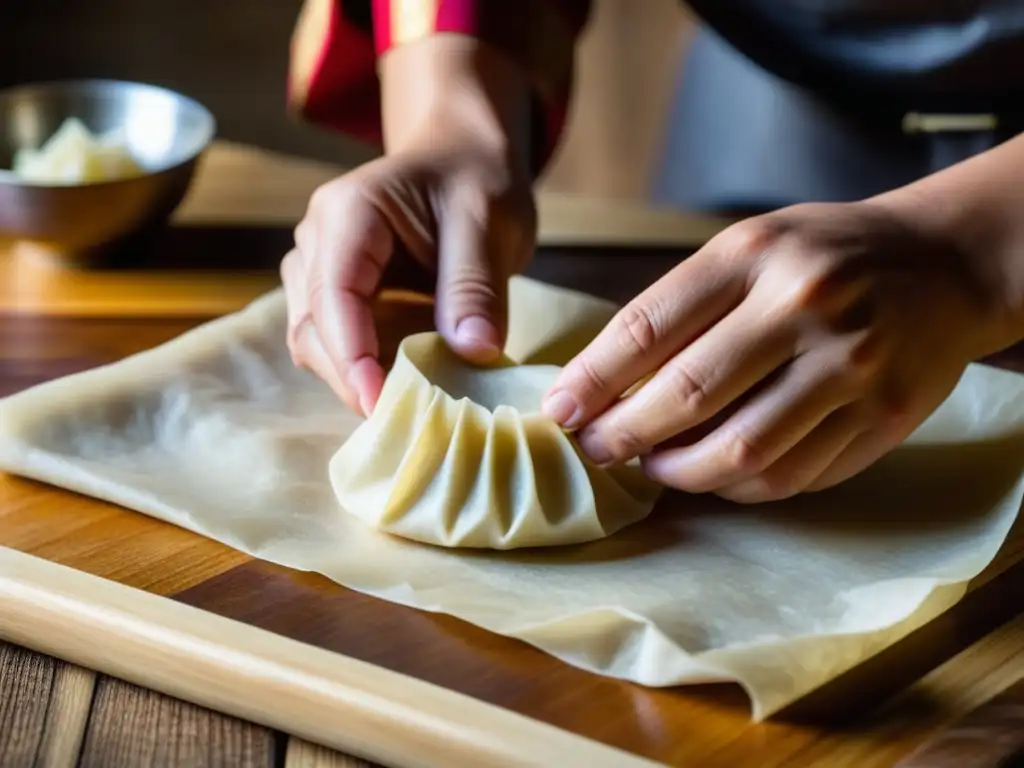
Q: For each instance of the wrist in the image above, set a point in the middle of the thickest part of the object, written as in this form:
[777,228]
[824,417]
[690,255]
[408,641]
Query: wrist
[454,90]
[955,210]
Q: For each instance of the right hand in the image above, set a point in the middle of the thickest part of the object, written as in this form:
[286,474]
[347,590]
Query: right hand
[452,195]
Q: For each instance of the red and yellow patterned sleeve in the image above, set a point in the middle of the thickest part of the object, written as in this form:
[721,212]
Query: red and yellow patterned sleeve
[333,78]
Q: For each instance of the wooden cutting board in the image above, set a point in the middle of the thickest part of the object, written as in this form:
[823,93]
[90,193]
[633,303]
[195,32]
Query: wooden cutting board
[139,599]
[192,618]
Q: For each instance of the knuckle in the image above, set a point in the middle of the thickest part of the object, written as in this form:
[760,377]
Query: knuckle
[799,277]
[626,443]
[856,366]
[769,486]
[322,196]
[779,484]
[804,288]
[465,194]
[895,406]
[287,267]
[336,195]
[620,438]
[471,284]
[328,192]
[867,353]
[743,453]
[752,492]
[641,330]
[751,237]
[687,388]
[297,328]
[589,372]
[850,375]
[297,346]
[316,292]
[490,179]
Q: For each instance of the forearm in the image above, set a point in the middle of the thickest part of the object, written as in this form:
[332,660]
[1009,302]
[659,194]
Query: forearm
[443,83]
[978,206]
[337,43]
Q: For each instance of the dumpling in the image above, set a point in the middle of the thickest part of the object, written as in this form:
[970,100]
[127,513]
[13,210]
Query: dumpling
[460,456]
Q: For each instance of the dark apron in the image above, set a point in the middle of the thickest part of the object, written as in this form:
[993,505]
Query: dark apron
[837,100]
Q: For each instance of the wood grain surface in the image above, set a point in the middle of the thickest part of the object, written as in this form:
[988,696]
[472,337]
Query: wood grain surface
[302,754]
[694,726]
[24,706]
[991,736]
[121,713]
[50,718]
[77,320]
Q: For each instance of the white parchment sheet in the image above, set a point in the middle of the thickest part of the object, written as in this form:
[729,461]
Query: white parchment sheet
[217,432]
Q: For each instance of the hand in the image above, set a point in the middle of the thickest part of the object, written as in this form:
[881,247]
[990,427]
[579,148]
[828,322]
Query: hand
[791,352]
[452,194]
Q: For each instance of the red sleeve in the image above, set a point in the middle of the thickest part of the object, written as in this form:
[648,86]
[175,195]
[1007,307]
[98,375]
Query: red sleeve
[333,79]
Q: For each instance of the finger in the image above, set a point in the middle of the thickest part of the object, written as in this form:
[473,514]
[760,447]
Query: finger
[797,469]
[302,339]
[720,366]
[472,291]
[309,353]
[642,336]
[293,278]
[808,390]
[862,452]
[354,244]
[305,238]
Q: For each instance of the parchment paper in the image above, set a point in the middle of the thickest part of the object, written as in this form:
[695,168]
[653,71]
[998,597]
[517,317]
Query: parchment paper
[217,432]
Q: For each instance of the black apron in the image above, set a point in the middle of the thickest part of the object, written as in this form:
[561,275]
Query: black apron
[787,101]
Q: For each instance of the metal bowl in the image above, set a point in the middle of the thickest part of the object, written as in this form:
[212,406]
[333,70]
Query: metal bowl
[166,131]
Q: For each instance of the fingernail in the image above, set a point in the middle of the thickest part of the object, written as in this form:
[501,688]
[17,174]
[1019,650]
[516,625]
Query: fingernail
[366,377]
[366,404]
[595,449]
[478,334]
[561,407]
[655,468]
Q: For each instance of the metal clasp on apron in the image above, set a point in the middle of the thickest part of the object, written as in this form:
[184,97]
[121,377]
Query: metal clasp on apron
[919,122]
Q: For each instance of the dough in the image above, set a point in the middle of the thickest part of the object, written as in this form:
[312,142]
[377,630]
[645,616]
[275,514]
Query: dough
[460,456]
[74,156]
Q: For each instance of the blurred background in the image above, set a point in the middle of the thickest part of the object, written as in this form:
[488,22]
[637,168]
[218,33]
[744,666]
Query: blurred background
[232,55]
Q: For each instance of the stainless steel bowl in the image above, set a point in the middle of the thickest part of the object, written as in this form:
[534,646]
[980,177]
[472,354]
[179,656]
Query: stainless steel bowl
[167,132]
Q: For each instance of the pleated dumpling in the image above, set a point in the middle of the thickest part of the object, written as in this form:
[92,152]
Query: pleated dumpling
[460,456]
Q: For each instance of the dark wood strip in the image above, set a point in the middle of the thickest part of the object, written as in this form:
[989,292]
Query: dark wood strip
[991,736]
[661,724]
[131,727]
[666,725]
[26,682]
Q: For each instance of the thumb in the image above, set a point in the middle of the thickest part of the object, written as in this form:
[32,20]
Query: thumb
[472,287]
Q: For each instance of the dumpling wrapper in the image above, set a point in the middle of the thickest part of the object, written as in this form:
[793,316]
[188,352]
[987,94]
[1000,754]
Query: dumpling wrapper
[218,432]
[460,456]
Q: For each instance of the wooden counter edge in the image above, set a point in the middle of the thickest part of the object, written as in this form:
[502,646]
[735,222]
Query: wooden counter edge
[241,184]
[215,662]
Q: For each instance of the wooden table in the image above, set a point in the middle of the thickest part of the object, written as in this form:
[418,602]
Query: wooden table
[54,321]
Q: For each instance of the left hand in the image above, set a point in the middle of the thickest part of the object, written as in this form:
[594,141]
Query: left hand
[791,352]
